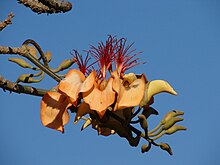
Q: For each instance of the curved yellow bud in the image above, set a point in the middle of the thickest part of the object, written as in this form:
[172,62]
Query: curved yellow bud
[158,86]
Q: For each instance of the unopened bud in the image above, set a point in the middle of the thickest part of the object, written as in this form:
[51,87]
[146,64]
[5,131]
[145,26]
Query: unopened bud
[145,148]
[20,62]
[67,63]
[48,55]
[166,147]
[143,121]
[171,122]
[170,115]
[26,78]
[174,129]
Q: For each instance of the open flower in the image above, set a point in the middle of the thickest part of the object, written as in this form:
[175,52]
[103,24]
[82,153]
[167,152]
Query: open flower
[95,91]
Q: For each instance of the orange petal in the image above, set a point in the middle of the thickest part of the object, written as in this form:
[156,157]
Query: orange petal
[71,85]
[54,112]
[100,100]
[131,96]
[89,82]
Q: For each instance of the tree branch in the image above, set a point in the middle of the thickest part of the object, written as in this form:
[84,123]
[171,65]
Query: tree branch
[17,88]
[6,22]
[47,6]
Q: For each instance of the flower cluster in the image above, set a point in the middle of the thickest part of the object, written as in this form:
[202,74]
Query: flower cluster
[98,92]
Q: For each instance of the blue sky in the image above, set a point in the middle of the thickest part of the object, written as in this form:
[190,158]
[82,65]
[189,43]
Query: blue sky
[180,42]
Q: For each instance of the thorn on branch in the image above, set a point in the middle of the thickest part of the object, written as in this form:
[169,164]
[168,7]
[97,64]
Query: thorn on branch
[6,22]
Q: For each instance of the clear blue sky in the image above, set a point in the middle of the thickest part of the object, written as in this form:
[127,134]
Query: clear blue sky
[181,44]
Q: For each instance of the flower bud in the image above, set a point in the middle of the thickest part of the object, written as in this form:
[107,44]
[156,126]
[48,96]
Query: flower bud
[26,78]
[170,115]
[174,129]
[171,122]
[66,64]
[166,147]
[48,55]
[145,148]
[143,121]
[20,62]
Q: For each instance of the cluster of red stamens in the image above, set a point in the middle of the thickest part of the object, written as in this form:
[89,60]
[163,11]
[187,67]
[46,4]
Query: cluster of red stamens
[113,51]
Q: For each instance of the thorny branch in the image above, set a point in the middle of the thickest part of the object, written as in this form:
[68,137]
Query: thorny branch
[6,22]
[47,6]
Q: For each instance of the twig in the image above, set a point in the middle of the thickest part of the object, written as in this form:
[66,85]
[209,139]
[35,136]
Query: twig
[58,5]
[47,6]
[6,22]
[17,88]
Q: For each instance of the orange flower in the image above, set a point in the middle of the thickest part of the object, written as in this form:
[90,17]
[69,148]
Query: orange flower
[98,93]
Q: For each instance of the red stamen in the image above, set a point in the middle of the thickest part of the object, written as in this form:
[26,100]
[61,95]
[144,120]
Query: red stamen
[123,59]
[82,63]
[105,54]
